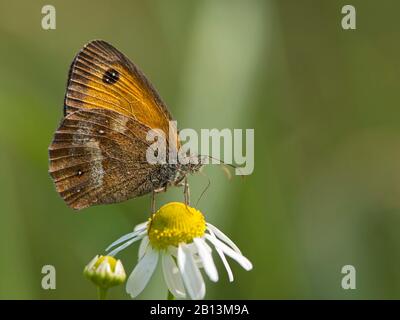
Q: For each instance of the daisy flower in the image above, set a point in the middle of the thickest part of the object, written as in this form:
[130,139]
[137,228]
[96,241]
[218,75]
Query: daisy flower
[179,236]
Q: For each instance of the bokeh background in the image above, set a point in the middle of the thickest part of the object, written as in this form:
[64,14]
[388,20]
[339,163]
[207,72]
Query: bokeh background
[324,104]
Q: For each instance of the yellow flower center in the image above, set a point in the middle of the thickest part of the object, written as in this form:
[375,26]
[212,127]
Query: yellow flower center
[174,223]
[111,261]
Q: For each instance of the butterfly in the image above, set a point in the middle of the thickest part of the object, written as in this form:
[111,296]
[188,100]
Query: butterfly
[98,153]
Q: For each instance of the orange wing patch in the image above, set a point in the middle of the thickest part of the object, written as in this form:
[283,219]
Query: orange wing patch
[102,77]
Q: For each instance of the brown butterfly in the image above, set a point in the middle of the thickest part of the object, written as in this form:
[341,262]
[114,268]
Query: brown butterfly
[98,154]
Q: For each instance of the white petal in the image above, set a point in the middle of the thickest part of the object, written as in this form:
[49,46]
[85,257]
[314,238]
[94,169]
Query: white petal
[207,246]
[126,244]
[141,226]
[224,261]
[191,275]
[92,262]
[142,273]
[196,256]
[226,264]
[119,269]
[104,268]
[173,251]
[122,239]
[198,261]
[223,237]
[242,260]
[125,238]
[206,258]
[143,246]
[172,276]
[192,247]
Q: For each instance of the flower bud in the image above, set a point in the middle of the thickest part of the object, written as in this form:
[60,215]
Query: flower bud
[105,271]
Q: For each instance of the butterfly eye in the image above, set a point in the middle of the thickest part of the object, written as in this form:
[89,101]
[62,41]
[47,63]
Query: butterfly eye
[111,76]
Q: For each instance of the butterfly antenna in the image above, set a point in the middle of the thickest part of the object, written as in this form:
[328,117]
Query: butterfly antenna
[225,166]
[205,189]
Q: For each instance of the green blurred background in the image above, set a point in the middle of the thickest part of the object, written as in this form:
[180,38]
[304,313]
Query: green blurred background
[324,105]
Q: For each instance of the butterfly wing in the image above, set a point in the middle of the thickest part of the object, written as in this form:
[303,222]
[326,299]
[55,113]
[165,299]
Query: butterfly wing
[98,156]
[102,77]
[98,152]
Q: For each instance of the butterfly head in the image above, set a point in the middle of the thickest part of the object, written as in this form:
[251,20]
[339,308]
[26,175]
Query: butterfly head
[188,168]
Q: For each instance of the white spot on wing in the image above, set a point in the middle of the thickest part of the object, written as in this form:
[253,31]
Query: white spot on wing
[96,170]
[81,136]
[119,124]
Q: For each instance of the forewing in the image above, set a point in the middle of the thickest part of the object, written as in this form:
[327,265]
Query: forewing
[102,77]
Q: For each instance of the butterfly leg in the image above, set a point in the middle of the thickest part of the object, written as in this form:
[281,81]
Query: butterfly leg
[186,192]
[153,202]
[153,197]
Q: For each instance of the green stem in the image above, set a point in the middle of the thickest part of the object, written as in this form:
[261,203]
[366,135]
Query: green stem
[170,296]
[102,292]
